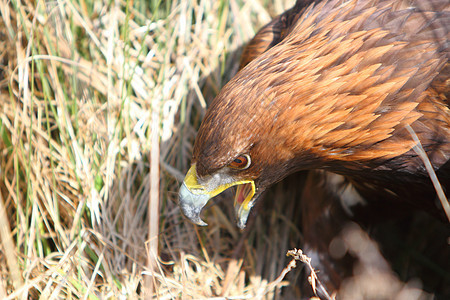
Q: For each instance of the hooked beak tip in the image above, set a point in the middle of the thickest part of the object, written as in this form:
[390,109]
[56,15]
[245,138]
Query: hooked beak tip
[192,204]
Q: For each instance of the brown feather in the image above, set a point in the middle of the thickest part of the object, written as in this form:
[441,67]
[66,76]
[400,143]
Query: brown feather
[334,85]
[336,92]
[272,33]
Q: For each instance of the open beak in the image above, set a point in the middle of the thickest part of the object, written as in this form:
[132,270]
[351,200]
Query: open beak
[194,195]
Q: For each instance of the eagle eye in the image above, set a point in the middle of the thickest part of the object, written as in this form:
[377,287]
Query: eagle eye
[241,162]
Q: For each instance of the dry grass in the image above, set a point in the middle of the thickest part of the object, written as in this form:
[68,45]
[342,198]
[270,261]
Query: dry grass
[93,94]
[88,91]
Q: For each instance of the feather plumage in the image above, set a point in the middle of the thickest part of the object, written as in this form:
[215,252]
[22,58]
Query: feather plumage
[337,86]
[336,92]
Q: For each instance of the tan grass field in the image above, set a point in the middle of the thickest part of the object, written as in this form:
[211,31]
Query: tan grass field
[99,106]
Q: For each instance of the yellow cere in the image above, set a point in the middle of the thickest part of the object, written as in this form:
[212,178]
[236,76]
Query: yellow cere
[191,181]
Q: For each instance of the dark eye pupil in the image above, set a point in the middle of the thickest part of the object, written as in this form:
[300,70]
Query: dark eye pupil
[240,162]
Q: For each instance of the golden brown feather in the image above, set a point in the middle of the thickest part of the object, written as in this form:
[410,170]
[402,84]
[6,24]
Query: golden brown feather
[335,85]
[273,32]
[337,93]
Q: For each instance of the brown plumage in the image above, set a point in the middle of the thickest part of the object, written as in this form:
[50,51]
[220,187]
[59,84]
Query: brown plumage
[273,32]
[337,86]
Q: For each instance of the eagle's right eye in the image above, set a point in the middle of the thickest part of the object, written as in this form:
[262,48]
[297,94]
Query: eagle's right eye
[241,162]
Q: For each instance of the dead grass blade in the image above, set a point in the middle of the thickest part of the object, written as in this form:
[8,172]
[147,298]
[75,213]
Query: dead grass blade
[426,161]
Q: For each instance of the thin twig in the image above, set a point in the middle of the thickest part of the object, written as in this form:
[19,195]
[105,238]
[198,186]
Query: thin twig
[153,207]
[297,254]
[423,155]
[8,246]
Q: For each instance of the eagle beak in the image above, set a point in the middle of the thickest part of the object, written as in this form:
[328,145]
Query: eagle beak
[243,202]
[193,195]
